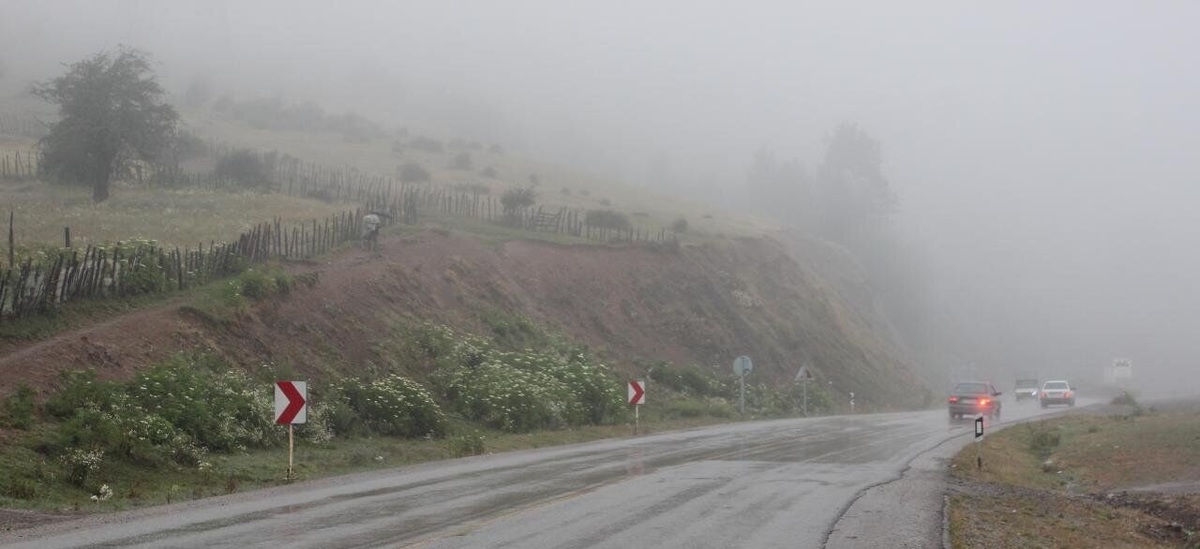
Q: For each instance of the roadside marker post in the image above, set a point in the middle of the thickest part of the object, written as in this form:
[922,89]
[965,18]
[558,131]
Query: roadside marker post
[741,368]
[637,397]
[291,407]
[978,446]
[804,375]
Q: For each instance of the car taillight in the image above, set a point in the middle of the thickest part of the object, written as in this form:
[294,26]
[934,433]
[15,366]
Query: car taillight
[1067,394]
[953,400]
[1043,394]
[983,402]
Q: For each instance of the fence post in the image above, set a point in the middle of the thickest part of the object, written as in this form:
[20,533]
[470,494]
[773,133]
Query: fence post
[11,251]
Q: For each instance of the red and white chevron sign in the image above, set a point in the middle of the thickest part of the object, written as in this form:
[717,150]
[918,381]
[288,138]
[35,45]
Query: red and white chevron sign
[291,402]
[637,392]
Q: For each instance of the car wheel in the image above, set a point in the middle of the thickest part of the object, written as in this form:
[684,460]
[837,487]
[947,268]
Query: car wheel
[1071,404]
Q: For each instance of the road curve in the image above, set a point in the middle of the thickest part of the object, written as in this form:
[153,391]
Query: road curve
[782,483]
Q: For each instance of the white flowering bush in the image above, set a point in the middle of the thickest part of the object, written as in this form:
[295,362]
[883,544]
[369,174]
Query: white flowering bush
[550,387]
[174,412]
[82,463]
[507,398]
[140,267]
[394,405]
[218,407]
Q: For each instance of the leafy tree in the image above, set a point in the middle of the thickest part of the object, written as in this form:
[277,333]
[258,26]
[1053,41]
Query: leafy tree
[113,115]
[517,198]
[782,190]
[853,192]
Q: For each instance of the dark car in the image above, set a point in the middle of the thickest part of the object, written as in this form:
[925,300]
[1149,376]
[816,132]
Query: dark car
[974,397]
[1026,388]
[1057,392]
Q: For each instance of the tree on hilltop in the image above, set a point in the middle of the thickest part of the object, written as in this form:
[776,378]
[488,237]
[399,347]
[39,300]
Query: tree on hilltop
[112,115]
[853,192]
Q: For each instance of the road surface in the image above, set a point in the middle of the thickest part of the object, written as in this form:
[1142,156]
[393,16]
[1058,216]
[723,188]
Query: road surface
[838,482]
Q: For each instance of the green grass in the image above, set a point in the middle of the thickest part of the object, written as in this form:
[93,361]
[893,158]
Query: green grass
[261,468]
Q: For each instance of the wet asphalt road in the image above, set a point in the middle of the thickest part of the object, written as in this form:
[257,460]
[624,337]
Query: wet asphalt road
[783,483]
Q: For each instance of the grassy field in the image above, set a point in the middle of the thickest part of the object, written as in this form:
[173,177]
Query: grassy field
[1069,482]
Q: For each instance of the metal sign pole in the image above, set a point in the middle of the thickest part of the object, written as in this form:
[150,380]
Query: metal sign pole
[291,447]
[636,419]
[806,397]
[742,394]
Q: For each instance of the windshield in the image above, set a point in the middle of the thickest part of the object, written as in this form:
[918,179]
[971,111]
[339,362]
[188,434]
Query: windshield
[972,388]
[1057,385]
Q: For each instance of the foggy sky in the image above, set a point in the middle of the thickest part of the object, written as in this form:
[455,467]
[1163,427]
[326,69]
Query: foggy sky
[1041,152]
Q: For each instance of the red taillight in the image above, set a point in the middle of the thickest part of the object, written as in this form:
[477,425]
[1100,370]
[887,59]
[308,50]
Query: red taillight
[983,402]
[1067,394]
[1043,394]
[953,400]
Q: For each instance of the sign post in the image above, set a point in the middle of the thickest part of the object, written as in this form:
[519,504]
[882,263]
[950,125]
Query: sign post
[741,368]
[851,402]
[291,407]
[978,437]
[637,397]
[804,375]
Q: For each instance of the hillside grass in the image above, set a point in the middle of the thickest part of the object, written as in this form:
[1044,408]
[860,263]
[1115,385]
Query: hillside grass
[181,218]
[558,186]
[1048,483]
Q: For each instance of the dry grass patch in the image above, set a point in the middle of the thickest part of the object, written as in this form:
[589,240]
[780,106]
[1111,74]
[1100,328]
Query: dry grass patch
[1043,519]
[1049,483]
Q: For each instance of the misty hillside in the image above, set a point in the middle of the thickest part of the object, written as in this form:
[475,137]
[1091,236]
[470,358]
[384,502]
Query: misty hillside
[1019,202]
[699,307]
[719,287]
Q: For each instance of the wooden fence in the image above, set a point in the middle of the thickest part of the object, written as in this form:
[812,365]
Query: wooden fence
[18,165]
[132,268]
[21,124]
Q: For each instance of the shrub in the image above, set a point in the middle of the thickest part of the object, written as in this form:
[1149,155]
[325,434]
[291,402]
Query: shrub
[525,390]
[518,198]
[140,268]
[680,225]
[508,399]
[78,389]
[466,445]
[489,172]
[1042,440]
[19,408]
[245,167]
[175,411]
[394,406]
[607,219]
[412,172]
[256,284]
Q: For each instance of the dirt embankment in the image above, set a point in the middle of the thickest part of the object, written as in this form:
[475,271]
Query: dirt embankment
[699,305]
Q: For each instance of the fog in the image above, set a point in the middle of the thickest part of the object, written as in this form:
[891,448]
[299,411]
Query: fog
[1039,153]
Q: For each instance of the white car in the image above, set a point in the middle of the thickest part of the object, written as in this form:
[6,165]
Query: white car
[1057,392]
